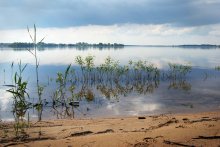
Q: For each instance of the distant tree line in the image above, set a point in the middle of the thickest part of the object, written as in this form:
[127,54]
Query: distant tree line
[80,45]
[202,46]
[84,45]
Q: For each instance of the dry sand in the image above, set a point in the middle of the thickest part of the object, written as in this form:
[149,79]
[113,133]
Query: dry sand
[200,129]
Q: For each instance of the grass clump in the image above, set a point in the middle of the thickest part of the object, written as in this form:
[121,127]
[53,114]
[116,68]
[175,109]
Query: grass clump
[178,70]
[217,68]
[20,102]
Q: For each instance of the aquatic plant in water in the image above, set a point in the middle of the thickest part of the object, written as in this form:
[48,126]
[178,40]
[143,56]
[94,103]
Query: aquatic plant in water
[217,68]
[61,97]
[20,103]
[110,78]
[39,105]
[178,70]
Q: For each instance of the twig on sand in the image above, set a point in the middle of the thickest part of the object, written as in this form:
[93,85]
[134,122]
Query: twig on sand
[106,131]
[173,120]
[207,137]
[176,143]
[81,133]
[22,141]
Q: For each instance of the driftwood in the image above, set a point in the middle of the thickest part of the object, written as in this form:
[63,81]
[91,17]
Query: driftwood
[176,143]
[81,133]
[207,137]
[106,131]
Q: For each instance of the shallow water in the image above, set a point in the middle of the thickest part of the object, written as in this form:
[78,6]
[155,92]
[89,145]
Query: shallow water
[199,91]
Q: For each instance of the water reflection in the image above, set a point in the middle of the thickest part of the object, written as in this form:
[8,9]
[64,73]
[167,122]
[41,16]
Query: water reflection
[160,56]
[4,98]
[63,112]
[180,84]
[91,83]
[118,98]
[124,92]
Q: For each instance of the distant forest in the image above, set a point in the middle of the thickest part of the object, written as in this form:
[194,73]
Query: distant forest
[84,45]
[80,45]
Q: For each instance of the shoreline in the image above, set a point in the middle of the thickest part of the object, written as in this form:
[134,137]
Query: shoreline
[189,129]
[11,120]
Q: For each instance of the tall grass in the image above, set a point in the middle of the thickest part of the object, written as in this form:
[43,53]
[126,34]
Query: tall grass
[20,102]
[34,52]
[217,68]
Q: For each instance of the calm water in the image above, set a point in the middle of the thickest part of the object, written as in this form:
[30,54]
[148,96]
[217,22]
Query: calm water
[199,91]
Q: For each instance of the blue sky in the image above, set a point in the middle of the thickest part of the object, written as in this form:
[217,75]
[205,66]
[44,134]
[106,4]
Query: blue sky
[141,21]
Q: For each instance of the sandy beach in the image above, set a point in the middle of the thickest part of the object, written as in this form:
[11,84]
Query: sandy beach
[197,129]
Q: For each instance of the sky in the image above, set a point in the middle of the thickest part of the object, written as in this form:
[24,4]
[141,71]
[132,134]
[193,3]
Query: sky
[146,22]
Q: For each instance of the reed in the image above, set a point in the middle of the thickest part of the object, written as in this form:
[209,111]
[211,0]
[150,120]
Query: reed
[20,102]
[217,68]
[34,52]
[178,70]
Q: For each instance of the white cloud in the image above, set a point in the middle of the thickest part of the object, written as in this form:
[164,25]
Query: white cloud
[215,30]
[124,33]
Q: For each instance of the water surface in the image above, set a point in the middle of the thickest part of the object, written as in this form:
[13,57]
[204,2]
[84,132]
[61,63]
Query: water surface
[197,92]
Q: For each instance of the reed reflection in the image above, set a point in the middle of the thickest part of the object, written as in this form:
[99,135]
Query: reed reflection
[112,81]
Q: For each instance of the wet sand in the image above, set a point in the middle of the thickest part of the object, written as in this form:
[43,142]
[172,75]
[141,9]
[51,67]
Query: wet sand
[196,129]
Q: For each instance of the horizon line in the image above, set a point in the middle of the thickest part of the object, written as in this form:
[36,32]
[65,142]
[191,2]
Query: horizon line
[162,45]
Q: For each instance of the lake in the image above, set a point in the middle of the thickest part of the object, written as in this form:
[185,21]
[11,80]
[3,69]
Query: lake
[197,91]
